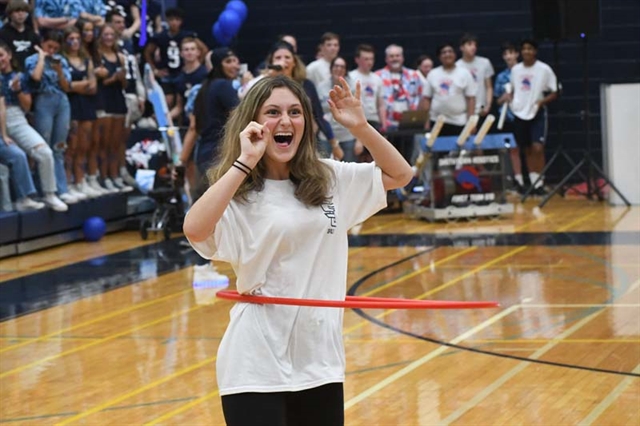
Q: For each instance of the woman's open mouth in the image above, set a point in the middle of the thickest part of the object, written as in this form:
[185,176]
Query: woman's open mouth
[283,139]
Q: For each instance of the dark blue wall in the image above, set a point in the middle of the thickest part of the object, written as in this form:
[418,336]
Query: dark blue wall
[420,25]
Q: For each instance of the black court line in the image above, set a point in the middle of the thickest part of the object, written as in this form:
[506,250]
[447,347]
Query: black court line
[69,283]
[354,288]
[497,240]
[43,290]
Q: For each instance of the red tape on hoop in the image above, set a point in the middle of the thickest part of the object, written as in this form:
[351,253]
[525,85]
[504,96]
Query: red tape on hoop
[357,302]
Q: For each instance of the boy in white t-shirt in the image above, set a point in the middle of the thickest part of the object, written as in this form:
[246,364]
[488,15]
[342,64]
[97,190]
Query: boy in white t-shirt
[280,215]
[319,70]
[481,70]
[372,94]
[450,91]
[534,86]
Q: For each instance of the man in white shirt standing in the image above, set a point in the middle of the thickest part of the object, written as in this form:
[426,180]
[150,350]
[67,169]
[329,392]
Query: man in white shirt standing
[534,86]
[451,92]
[481,70]
[371,84]
[320,69]
[371,94]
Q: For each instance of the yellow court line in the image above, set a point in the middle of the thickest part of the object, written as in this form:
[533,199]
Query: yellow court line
[426,358]
[95,320]
[97,342]
[575,222]
[609,399]
[379,227]
[183,408]
[445,285]
[488,390]
[419,271]
[138,391]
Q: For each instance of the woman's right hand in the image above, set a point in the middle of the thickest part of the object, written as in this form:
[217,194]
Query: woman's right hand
[101,72]
[253,143]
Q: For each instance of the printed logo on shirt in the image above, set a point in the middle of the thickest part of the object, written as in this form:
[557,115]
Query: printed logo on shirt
[525,84]
[445,86]
[474,74]
[21,45]
[368,91]
[329,210]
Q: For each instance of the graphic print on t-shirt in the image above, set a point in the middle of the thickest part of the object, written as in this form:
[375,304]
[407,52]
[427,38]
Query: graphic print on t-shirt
[329,210]
[526,83]
[445,86]
[474,74]
[368,90]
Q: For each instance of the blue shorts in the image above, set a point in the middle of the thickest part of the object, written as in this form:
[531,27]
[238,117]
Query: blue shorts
[532,131]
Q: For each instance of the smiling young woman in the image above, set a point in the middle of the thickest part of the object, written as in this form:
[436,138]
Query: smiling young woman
[279,215]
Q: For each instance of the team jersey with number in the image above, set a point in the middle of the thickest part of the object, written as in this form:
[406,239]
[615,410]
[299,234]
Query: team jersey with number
[169,45]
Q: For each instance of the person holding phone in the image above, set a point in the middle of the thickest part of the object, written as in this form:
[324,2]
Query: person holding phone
[52,113]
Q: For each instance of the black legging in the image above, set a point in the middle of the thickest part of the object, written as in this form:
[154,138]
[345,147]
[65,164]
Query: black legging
[321,406]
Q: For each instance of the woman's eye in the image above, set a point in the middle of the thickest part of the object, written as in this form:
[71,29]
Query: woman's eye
[272,112]
[295,112]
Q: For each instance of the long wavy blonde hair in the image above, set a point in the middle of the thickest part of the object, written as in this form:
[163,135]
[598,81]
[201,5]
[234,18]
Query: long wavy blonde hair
[312,177]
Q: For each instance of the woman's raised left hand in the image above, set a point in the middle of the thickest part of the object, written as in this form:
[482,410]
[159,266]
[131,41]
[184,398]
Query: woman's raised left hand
[346,106]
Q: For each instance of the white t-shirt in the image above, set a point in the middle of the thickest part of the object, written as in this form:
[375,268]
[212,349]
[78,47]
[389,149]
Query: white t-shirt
[371,86]
[480,69]
[448,90]
[341,133]
[319,71]
[529,85]
[277,246]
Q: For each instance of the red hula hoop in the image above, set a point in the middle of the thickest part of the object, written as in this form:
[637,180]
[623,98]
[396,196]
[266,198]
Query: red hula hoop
[357,302]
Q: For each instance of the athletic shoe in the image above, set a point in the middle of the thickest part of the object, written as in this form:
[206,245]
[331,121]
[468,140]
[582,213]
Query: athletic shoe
[109,186]
[79,195]
[27,204]
[56,203]
[92,182]
[88,190]
[123,187]
[67,198]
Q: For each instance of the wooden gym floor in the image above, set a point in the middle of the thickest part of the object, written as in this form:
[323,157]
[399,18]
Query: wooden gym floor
[112,332]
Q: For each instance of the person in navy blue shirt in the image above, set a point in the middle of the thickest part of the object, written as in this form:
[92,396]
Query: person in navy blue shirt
[168,44]
[215,100]
[193,72]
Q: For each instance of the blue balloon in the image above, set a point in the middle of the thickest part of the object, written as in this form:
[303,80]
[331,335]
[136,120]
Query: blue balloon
[239,7]
[230,23]
[94,228]
[220,37]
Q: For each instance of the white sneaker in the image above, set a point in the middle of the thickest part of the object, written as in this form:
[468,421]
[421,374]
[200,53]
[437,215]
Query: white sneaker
[109,186]
[79,195]
[68,198]
[123,187]
[89,191]
[55,203]
[92,182]
[27,204]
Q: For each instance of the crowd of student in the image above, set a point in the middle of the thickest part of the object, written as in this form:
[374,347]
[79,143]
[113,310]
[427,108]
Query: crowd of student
[72,88]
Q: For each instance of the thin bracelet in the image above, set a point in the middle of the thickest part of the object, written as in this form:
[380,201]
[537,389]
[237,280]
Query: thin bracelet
[244,165]
[241,169]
